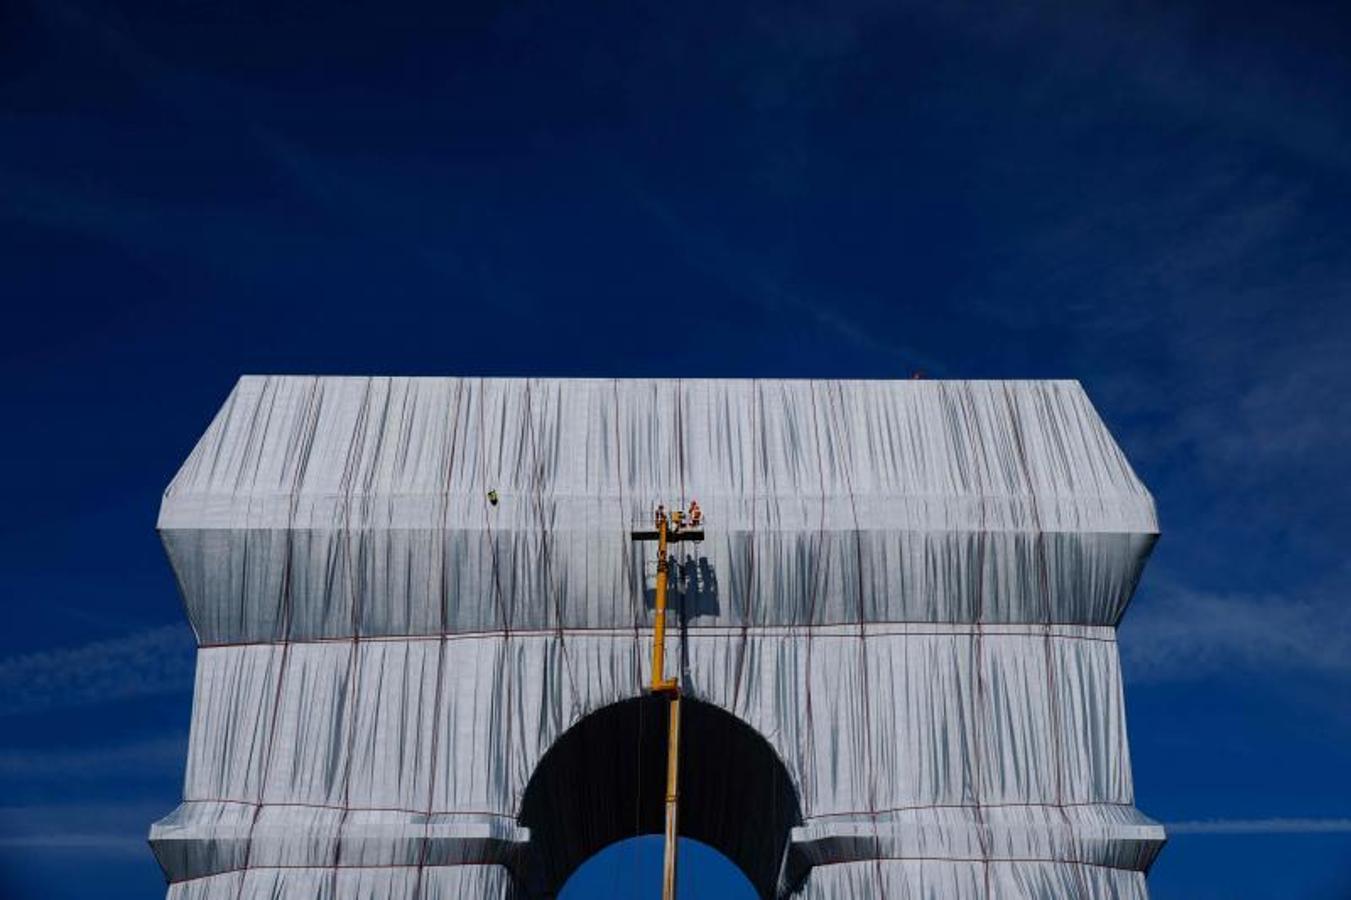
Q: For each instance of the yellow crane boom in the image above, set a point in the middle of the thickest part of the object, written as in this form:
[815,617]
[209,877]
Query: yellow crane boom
[663,534]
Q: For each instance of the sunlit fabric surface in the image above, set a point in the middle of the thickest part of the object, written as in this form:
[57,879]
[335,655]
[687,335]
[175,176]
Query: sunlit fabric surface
[908,590]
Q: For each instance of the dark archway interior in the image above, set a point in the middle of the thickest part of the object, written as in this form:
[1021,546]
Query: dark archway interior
[605,780]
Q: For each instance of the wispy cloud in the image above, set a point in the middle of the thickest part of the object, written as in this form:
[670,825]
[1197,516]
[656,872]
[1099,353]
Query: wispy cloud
[761,283]
[1169,56]
[116,844]
[154,661]
[1187,633]
[153,756]
[115,829]
[358,198]
[1261,826]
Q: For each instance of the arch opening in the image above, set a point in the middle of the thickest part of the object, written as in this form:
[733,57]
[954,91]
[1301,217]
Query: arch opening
[631,870]
[604,781]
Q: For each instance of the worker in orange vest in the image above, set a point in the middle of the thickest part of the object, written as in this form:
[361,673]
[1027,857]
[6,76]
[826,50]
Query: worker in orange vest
[696,514]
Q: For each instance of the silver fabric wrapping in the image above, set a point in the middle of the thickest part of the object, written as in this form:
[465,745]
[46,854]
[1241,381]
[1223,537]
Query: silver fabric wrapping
[908,590]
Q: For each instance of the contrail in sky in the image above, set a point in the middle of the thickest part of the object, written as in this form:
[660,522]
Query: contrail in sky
[1261,826]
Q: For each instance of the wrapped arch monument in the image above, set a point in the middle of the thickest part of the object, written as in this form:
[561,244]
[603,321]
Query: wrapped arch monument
[897,639]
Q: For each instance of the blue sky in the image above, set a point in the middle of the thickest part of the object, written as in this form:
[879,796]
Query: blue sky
[1152,199]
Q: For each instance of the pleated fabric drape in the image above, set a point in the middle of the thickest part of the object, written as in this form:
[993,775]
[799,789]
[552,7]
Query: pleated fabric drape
[909,589]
